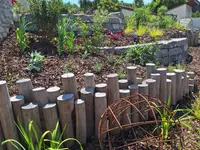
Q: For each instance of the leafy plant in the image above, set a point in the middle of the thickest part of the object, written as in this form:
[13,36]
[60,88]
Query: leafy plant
[68,67]
[20,33]
[110,58]
[141,30]
[28,136]
[61,35]
[44,14]
[141,54]
[155,32]
[98,67]
[121,74]
[171,68]
[35,62]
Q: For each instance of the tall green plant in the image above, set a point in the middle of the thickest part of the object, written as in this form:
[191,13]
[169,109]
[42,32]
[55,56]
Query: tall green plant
[20,34]
[61,35]
[54,142]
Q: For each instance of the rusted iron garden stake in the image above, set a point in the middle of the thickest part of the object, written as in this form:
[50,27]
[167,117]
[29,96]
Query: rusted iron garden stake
[87,94]
[100,103]
[25,87]
[172,77]
[66,106]
[6,115]
[69,84]
[81,124]
[52,94]
[17,101]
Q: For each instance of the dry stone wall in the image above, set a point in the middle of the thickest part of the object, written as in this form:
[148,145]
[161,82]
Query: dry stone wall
[6,18]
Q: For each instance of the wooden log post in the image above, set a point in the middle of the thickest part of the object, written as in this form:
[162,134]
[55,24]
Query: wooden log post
[102,87]
[87,94]
[123,84]
[150,68]
[183,84]
[125,116]
[2,147]
[191,81]
[156,76]
[172,77]
[69,84]
[152,93]
[17,101]
[25,87]
[163,84]
[65,104]
[138,80]
[143,89]
[89,80]
[81,124]
[191,87]
[187,85]
[39,96]
[191,75]
[100,102]
[169,91]
[6,115]
[134,113]
[52,94]
[178,83]
[131,74]
[30,112]
[113,88]
[50,117]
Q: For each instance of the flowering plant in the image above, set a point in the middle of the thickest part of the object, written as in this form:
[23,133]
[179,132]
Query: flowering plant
[14,1]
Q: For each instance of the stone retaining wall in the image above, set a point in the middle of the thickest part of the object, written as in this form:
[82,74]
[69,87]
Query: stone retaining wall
[169,52]
[6,18]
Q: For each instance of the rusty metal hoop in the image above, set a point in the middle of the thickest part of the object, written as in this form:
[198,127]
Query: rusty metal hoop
[118,128]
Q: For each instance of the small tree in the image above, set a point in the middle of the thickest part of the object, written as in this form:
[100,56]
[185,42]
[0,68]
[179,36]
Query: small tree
[138,3]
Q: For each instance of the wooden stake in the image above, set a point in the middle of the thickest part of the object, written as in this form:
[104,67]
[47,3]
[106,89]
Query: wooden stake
[131,74]
[2,147]
[123,84]
[17,101]
[169,85]
[178,83]
[191,75]
[138,80]
[100,102]
[52,94]
[25,87]
[30,112]
[163,84]
[39,96]
[81,124]
[87,96]
[50,117]
[66,106]
[156,76]
[125,116]
[113,88]
[69,84]
[143,89]
[187,85]
[172,77]
[102,87]
[151,87]
[6,115]
[134,113]
[150,68]
[89,80]
[191,87]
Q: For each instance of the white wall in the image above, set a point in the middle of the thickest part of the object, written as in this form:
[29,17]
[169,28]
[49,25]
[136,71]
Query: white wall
[196,23]
[183,11]
[126,12]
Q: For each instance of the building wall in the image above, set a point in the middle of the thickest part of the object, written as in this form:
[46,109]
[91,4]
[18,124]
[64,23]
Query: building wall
[126,12]
[183,11]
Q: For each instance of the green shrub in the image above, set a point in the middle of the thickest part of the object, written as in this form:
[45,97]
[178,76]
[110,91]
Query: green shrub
[196,15]
[44,14]
[98,67]
[141,54]
[141,30]
[61,35]
[35,62]
[155,32]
